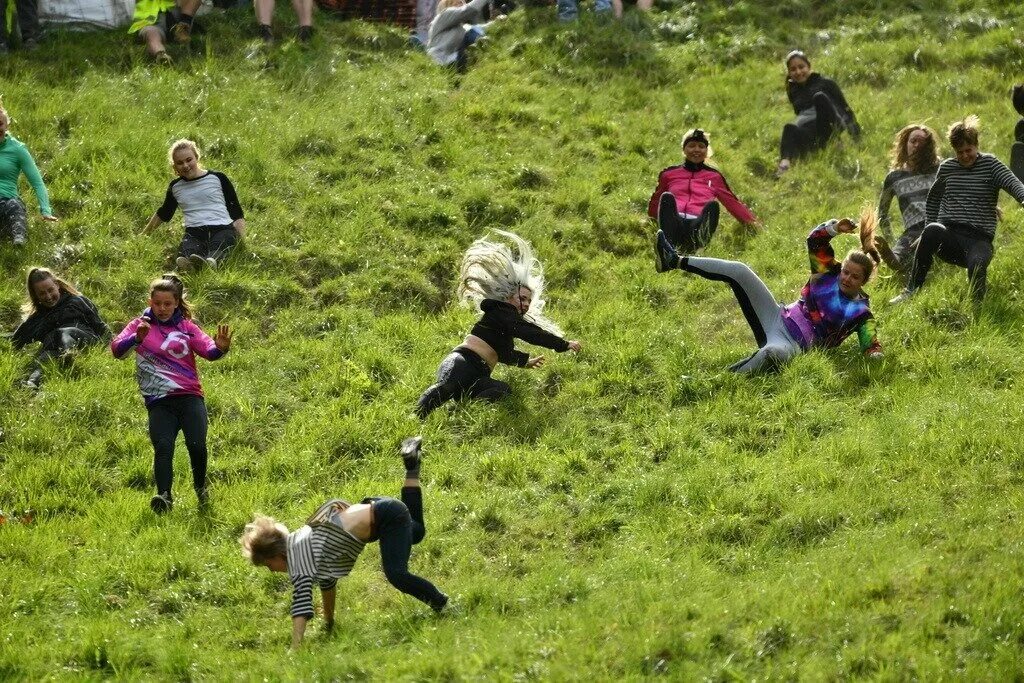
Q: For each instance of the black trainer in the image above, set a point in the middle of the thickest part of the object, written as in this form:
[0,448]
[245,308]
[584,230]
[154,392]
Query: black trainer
[304,34]
[439,604]
[665,257]
[203,496]
[161,503]
[411,455]
[266,34]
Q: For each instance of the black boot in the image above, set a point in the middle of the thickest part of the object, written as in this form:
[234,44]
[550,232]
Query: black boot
[411,456]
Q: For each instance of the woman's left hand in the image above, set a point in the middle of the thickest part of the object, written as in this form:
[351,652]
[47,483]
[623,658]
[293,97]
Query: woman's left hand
[223,338]
[535,362]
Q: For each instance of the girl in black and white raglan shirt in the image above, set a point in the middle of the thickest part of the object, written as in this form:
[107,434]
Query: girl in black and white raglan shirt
[213,218]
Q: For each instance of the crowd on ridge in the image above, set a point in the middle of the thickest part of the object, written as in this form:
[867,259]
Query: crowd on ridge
[948,207]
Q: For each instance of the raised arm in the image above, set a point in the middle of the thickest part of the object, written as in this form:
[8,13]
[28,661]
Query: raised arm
[206,346]
[126,340]
[819,248]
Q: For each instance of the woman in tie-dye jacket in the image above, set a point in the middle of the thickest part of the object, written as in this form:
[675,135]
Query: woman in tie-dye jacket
[166,344]
[831,307]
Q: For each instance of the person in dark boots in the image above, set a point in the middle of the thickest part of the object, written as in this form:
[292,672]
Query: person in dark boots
[59,317]
[326,548]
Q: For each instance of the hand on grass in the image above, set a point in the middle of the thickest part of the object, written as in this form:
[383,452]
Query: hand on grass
[575,345]
[535,362]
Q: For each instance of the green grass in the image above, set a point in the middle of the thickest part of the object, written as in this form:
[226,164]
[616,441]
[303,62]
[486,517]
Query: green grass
[629,512]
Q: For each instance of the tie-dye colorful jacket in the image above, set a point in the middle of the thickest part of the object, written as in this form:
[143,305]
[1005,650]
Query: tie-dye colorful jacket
[165,361]
[824,316]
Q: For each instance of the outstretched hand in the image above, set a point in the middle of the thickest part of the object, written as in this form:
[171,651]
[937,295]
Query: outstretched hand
[223,338]
[846,225]
[575,345]
[142,330]
[535,362]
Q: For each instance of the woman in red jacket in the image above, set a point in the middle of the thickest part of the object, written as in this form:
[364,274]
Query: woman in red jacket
[684,202]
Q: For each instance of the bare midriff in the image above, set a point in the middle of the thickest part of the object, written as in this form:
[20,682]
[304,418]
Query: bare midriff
[358,520]
[481,348]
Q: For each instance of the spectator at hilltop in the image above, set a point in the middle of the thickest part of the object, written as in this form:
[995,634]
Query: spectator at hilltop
[303,11]
[27,14]
[156,20]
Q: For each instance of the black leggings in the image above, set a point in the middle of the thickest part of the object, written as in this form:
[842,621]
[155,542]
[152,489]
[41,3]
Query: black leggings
[462,372]
[799,140]
[687,235]
[957,246]
[63,339]
[399,526]
[166,417]
[216,241]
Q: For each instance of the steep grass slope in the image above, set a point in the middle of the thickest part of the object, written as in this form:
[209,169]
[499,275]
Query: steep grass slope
[631,511]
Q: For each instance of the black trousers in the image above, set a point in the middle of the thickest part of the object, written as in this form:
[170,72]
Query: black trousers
[28,19]
[799,140]
[687,235]
[958,245]
[462,372]
[167,417]
[399,526]
[213,240]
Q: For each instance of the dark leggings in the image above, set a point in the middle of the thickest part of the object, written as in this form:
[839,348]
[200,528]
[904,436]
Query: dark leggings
[687,235]
[957,246]
[399,526]
[215,240]
[13,218]
[799,140]
[63,339]
[462,372]
[166,417]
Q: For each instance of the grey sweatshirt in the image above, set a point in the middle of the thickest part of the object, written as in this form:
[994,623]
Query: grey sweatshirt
[448,30]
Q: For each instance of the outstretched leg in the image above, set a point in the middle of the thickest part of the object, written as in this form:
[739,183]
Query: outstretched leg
[454,377]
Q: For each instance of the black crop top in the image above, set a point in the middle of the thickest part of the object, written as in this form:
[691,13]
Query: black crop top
[502,324]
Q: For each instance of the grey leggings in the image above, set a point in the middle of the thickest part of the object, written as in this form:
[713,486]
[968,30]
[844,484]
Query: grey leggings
[762,311]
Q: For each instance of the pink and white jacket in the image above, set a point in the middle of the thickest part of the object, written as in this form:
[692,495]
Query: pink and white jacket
[693,186]
[165,361]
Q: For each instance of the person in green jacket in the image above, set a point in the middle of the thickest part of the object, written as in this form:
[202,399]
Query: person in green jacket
[15,160]
[156,20]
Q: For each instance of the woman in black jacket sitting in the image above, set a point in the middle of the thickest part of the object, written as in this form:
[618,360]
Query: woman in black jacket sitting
[821,111]
[58,316]
[508,287]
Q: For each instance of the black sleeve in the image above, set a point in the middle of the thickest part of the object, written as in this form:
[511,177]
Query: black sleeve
[26,332]
[792,99]
[230,197]
[833,90]
[534,334]
[93,319]
[170,205]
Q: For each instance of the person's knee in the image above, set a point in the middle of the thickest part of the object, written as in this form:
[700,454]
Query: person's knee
[418,532]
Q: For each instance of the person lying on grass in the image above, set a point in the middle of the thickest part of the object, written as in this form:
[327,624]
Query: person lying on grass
[59,317]
[832,305]
[166,343]
[508,285]
[684,203]
[15,159]
[821,112]
[156,20]
[962,211]
[325,549]
[449,37]
[214,220]
[914,162]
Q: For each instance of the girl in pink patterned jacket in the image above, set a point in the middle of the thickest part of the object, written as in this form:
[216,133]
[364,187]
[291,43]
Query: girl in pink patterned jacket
[166,343]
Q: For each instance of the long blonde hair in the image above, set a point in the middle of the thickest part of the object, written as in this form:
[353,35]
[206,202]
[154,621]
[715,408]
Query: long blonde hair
[496,270]
[264,538]
[867,257]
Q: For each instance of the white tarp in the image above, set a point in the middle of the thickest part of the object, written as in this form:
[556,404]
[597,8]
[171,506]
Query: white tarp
[87,14]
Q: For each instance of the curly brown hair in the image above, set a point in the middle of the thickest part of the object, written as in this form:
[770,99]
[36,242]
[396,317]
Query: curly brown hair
[926,156]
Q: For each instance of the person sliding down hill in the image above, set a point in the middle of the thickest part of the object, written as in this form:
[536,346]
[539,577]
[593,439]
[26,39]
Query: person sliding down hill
[508,286]
[326,548]
[684,203]
[821,112]
[831,307]
[449,36]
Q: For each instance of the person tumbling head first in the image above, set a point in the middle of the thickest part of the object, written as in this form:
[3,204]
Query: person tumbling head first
[685,201]
[326,548]
[821,112]
[57,316]
[915,161]
[166,344]
[961,211]
[15,160]
[831,307]
[506,282]
[213,217]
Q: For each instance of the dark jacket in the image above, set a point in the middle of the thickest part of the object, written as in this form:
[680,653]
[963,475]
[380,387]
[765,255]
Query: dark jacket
[71,310]
[502,324]
[802,97]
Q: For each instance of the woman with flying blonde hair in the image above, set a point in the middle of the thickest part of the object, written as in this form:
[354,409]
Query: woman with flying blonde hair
[506,282]
[915,160]
[831,307]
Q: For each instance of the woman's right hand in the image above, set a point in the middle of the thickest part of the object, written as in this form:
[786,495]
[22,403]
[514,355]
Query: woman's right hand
[142,330]
[575,345]
[846,225]
[535,362]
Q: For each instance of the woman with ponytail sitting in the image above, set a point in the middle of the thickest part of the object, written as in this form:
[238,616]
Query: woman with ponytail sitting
[831,307]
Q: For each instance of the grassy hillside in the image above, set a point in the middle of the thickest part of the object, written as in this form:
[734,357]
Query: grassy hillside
[629,512]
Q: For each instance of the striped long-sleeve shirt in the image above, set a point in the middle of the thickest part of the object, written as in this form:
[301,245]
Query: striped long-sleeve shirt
[911,189]
[321,551]
[967,196]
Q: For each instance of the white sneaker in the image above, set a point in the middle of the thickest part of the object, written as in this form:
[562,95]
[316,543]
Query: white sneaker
[182,264]
[198,261]
[905,295]
[212,262]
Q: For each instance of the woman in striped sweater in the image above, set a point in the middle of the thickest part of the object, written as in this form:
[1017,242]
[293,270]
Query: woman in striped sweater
[326,548]
[961,211]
